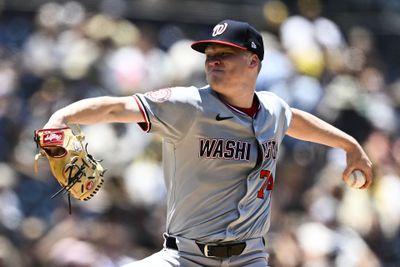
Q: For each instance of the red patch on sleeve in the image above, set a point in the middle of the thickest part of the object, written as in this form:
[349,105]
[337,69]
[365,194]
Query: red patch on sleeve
[160,95]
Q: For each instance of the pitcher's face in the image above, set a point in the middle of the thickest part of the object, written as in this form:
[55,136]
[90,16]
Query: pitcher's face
[225,65]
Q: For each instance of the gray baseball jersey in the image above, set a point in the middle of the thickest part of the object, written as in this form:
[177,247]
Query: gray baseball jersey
[219,163]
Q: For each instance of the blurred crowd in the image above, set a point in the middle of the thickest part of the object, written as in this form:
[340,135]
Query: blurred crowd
[63,53]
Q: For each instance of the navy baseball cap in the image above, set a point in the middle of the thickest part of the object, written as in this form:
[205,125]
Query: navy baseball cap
[234,33]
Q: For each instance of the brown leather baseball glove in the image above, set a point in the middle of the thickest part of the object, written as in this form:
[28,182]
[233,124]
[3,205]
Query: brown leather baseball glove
[79,174]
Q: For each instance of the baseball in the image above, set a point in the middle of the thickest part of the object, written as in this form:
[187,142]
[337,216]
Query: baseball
[357,179]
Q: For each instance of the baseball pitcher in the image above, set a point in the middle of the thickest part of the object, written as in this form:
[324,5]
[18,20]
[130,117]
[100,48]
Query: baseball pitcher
[220,149]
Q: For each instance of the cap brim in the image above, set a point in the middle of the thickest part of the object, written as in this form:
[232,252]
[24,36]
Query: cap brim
[201,46]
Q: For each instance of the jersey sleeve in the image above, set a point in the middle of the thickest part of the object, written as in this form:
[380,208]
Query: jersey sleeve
[285,115]
[169,112]
[281,112]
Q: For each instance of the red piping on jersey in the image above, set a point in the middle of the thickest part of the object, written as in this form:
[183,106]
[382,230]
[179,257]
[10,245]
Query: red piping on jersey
[252,111]
[142,110]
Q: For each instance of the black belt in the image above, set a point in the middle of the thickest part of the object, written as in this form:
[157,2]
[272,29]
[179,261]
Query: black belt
[212,250]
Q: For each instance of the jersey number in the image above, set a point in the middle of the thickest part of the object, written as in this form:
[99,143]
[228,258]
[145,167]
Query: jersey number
[268,184]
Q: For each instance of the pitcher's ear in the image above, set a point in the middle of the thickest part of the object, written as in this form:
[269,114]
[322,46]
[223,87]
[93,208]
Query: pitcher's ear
[253,60]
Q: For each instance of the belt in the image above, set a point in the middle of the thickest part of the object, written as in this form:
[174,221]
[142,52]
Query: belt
[212,250]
